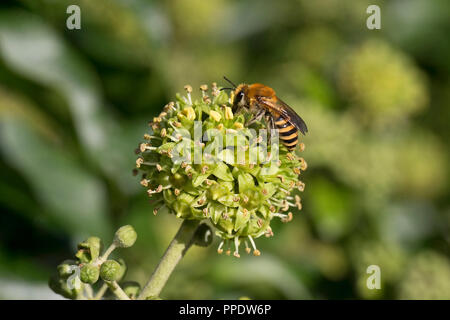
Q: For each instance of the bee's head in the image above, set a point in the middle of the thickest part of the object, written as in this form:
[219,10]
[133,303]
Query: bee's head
[240,98]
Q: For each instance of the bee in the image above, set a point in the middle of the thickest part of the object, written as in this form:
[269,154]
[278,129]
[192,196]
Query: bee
[262,101]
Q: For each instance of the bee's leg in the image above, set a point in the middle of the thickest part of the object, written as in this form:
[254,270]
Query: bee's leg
[257,117]
[270,125]
[241,109]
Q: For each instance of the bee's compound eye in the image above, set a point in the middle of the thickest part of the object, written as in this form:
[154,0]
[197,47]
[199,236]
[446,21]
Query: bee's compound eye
[240,97]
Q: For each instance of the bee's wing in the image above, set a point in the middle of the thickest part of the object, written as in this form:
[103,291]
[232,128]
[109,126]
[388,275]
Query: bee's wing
[287,112]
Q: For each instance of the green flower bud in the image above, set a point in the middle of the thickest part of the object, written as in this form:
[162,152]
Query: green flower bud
[111,270]
[131,288]
[60,286]
[125,237]
[89,273]
[196,179]
[65,268]
[89,250]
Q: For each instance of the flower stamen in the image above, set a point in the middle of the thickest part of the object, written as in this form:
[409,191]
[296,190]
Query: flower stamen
[236,246]
[256,252]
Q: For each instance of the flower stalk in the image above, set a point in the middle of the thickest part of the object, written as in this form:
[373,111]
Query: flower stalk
[176,250]
[117,290]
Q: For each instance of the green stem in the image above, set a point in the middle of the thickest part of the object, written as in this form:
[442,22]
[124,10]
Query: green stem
[101,292]
[108,251]
[117,290]
[89,291]
[176,250]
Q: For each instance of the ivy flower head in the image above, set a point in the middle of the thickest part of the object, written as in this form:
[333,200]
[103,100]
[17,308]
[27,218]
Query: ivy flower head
[201,161]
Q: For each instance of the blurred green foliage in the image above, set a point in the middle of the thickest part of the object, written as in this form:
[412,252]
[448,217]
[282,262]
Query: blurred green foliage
[74,103]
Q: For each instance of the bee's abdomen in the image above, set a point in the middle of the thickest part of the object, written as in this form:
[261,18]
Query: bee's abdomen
[288,133]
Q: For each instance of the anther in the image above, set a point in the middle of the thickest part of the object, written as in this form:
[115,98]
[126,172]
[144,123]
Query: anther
[206,99]
[139,162]
[163,132]
[247,249]
[303,165]
[298,202]
[260,223]
[288,218]
[269,232]
[301,146]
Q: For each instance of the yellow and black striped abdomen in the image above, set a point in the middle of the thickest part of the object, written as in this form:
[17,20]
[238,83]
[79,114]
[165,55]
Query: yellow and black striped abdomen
[288,133]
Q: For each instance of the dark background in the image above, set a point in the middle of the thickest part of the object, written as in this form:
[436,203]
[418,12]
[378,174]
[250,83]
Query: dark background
[75,103]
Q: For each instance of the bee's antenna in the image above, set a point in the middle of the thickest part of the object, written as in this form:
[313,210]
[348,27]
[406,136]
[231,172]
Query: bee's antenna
[231,82]
[226,89]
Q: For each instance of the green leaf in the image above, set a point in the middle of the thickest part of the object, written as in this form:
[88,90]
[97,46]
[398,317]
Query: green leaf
[264,210]
[245,181]
[270,188]
[216,210]
[166,147]
[228,200]
[72,195]
[242,217]
[227,225]
[269,170]
[227,156]
[200,201]
[182,205]
[31,48]
[222,171]
[198,179]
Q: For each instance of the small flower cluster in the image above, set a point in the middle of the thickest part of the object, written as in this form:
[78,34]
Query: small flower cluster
[74,278]
[239,198]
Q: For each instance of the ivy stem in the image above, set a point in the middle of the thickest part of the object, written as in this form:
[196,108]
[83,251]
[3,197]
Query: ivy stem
[101,292]
[108,251]
[117,290]
[89,291]
[176,250]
